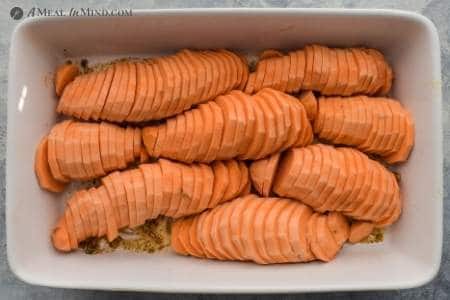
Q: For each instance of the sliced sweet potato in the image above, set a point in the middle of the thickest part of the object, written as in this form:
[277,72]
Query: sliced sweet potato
[268,145]
[60,169]
[230,121]
[82,101]
[338,226]
[317,67]
[140,196]
[271,231]
[298,233]
[42,169]
[107,111]
[196,140]
[131,198]
[65,74]
[187,140]
[100,92]
[218,128]
[207,130]
[177,186]
[359,231]
[292,75]
[325,72]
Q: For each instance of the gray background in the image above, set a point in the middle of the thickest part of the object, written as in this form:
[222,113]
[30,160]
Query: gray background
[437,10]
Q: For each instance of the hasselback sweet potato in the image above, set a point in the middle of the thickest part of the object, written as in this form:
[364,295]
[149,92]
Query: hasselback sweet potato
[262,230]
[375,125]
[336,179]
[84,151]
[233,125]
[330,71]
[128,198]
[152,89]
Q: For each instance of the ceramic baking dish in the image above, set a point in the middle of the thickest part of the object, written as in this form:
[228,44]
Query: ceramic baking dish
[408,257]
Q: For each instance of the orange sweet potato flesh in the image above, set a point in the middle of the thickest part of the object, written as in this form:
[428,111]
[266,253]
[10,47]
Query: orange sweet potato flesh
[65,74]
[42,169]
[261,230]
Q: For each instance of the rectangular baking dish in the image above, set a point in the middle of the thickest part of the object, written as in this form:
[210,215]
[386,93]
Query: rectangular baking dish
[408,257]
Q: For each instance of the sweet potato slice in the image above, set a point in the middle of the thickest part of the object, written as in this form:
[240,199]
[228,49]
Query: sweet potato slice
[281,132]
[316,68]
[248,231]
[300,71]
[180,102]
[259,227]
[292,75]
[207,79]
[112,232]
[284,73]
[194,206]
[180,133]
[342,78]
[69,153]
[230,121]
[140,196]
[325,239]
[112,195]
[361,64]
[197,247]
[218,128]
[73,241]
[325,72]
[329,123]
[325,199]
[199,77]
[62,162]
[217,242]
[126,103]
[107,112]
[359,231]
[196,140]
[83,151]
[73,206]
[221,182]
[271,232]
[309,101]
[131,198]
[177,180]
[307,83]
[43,171]
[121,196]
[239,135]
[338,226]
[103,89]
[175,99]
[142,90]
[80,103]
[298,234]
[65,74]
[282,235]
[268,145]
[405,149]
[188,137]
[167,186]
[258,130]
[187,190]
[226,67]
[235,226]
[325,170]
[352,85]
[73,101]
[207,130]
[159,201]
[214,69]
[224,232]
[147,171]
[168,87]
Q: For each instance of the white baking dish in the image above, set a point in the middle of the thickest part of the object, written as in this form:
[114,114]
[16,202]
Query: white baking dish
[409,256]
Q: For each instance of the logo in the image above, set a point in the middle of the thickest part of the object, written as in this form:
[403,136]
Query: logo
[16,13]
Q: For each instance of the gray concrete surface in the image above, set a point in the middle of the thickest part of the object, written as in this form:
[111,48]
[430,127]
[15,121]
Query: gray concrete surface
[437,10]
